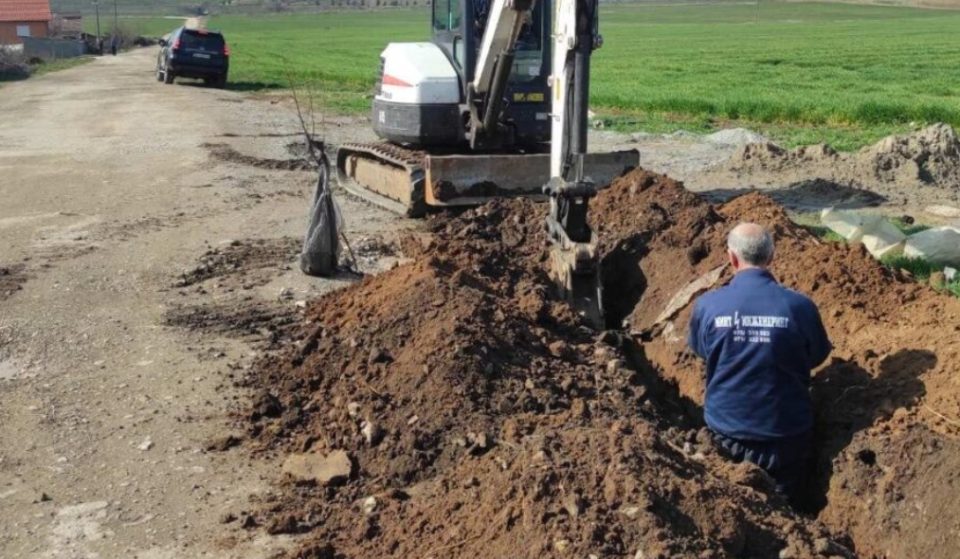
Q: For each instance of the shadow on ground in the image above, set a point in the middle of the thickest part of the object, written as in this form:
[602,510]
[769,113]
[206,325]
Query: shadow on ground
[848,399]
[810,195]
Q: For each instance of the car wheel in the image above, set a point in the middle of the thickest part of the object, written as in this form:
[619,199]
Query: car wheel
[221,82]
[168,76]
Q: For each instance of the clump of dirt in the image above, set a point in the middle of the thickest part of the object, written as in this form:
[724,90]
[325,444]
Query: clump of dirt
[12,279]
[252,258]
[477,412]
[924,164]
[263,324]
[887,390]
[930,156]
[224,152]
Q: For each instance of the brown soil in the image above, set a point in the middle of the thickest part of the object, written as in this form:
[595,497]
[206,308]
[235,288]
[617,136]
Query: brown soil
[480,413]
[243,258]
[264,325]
[224,152]
[897,167]
[887,402]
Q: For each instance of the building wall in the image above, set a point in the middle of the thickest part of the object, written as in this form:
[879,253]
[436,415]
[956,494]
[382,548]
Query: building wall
[65,26]
[8,31]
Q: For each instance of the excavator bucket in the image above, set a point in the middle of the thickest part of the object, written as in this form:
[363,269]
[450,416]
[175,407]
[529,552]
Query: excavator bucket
[409,182]
[574,268]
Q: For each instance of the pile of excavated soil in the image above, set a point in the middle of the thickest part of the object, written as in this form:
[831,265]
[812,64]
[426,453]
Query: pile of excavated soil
[912,168]
[454,408]
[888,400]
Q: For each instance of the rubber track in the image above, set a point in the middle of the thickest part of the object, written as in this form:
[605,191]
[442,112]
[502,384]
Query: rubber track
[410,160]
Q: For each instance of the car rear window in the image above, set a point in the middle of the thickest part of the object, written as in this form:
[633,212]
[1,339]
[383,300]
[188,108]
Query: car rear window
[201,41]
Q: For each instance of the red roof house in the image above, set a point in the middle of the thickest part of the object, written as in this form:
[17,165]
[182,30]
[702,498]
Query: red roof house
[23,18]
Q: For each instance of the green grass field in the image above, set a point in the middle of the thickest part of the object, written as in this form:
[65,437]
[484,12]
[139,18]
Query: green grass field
[801,72]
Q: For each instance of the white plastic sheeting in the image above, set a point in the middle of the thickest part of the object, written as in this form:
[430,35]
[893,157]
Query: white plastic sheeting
[878,235]
[940,245]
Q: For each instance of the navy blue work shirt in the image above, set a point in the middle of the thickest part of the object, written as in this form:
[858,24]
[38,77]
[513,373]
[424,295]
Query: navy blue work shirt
[760,341]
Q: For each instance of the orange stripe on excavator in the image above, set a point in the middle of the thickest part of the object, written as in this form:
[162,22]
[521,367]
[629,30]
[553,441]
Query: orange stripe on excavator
[390,80]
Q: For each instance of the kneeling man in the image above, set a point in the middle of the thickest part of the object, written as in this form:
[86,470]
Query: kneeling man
[760,341]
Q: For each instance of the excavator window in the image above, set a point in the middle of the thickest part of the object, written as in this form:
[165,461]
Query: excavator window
[446,15]
[441,9]
[453,18]
[528,61]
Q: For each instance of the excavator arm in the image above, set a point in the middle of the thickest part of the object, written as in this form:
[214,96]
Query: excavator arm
[573,258]
[494,62]
[574,264]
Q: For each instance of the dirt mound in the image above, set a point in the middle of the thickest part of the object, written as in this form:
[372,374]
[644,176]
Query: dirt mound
[930,156]
[887,390]
[926,159]
[477,412]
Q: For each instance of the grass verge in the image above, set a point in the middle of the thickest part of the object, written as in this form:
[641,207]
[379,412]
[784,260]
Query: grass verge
[60,64]
[23,71]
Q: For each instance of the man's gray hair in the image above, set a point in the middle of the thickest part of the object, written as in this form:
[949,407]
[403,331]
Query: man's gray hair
[751,243]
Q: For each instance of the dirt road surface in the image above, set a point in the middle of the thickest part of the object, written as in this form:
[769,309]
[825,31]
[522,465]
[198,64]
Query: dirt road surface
[108,195]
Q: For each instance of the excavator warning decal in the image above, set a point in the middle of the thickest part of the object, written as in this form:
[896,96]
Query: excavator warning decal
[532,97]
[391,80]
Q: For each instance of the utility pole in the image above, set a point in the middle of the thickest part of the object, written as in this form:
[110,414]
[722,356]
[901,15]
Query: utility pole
[96,4]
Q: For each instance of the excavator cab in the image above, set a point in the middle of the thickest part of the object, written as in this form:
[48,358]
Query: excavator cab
[458,27]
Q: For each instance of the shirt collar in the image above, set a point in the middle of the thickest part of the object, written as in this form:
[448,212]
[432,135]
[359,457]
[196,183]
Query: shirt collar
[752,275]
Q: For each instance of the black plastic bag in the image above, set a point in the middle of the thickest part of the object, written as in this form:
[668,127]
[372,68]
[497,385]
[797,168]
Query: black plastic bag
[321,245]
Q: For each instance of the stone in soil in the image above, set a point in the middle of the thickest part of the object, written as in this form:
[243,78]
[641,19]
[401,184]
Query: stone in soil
[332,469]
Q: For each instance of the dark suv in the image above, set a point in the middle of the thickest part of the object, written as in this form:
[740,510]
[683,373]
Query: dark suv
[194,53]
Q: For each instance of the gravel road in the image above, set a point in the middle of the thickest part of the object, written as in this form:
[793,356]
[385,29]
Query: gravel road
[108,196]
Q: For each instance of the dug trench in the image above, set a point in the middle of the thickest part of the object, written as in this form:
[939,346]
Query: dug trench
[454,407]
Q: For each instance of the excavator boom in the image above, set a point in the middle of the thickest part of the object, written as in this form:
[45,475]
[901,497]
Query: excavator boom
[574,263]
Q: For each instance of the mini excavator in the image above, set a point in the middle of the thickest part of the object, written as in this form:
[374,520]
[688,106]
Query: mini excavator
[495,105]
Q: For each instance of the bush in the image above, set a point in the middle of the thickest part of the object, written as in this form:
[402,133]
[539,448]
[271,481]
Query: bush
[13,65]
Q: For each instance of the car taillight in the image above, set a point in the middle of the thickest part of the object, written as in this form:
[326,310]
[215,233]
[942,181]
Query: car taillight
[176,44]
[226,49]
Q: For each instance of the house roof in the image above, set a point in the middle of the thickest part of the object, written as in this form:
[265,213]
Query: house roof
[25,10]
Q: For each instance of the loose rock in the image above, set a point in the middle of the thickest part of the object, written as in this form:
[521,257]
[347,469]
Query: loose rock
[332,469]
